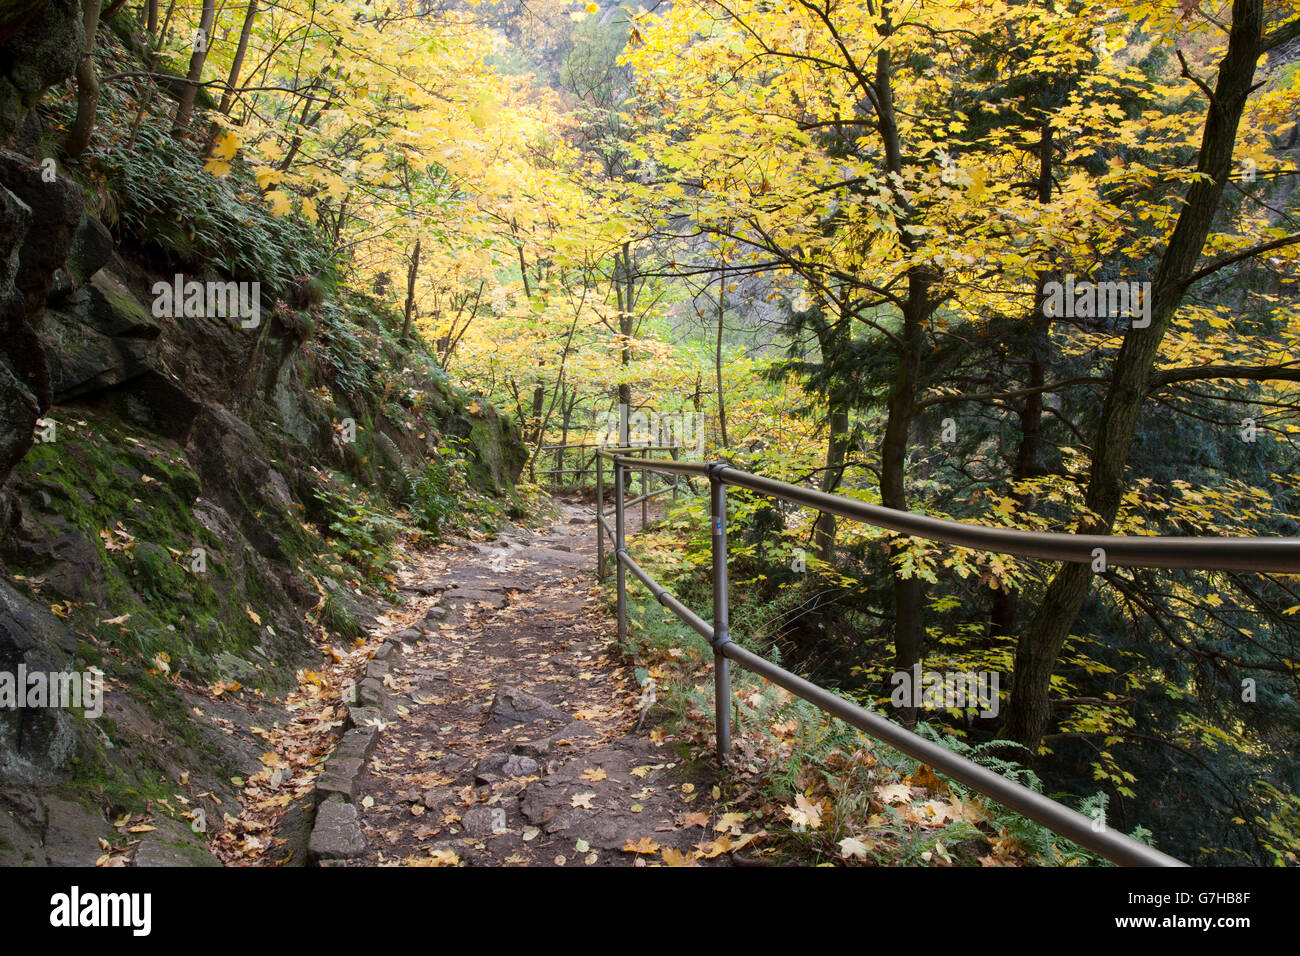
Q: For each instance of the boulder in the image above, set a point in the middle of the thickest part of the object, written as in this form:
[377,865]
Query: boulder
[113,310]
[92,245]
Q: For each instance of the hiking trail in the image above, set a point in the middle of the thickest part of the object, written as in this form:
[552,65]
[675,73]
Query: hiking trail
[504,727]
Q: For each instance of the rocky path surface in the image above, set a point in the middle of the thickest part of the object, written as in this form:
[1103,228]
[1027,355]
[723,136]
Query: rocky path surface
[502,727]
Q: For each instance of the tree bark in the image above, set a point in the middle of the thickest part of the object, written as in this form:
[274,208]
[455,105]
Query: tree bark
[87,86]
[410,290]
[626,295]
[197,58]
[717,353]
[228,97]
[1028,710]
[1002,613]
[909,627]
[909,593]
[833,340]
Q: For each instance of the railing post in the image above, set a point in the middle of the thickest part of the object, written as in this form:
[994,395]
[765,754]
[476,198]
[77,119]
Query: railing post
[645,475]
[674,454]
[620,546]
[721,635]
[600,515]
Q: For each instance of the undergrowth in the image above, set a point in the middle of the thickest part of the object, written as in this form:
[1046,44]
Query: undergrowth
[825,792]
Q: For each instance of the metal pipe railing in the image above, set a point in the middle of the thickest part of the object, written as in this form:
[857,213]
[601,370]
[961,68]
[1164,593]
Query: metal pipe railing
[1256,554]
[1280,555]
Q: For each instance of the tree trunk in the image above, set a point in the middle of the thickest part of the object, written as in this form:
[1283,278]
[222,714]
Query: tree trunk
[1002,613]
[1029,708]
[626,295]
[410,290]
[87,86]
[200,55]
[833,340]
[909,629]
[228,97]
[717,354]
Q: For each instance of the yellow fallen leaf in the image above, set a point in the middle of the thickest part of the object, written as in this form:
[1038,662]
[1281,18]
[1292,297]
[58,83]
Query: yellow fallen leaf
[730,821]
[674,857]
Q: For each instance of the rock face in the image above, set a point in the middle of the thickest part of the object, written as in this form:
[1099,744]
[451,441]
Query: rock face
[19,407]
[40,42]
[36,744]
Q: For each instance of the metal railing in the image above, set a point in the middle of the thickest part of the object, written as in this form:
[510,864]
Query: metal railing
[1237,554]
[588,462]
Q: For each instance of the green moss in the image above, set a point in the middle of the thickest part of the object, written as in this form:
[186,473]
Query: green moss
[143,490]
[98,782]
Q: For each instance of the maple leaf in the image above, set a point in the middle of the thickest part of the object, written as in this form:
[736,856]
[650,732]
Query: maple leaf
[731,821]
[582,801]
[440,858]
[935,813]
[925,777]
[226,146]
[693,820]
[645,845]
[894,793]
[594,774]
[280,204]
[968,810]
[855,848]
[804,815]
[713,848]
[674,857]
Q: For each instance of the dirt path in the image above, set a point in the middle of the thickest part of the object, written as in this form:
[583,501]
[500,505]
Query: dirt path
[510,730]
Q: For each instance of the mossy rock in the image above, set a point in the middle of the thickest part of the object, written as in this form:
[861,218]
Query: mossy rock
[113,310]
[156,571]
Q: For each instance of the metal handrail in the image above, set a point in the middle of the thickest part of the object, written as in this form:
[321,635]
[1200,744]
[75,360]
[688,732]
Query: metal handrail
[1280,555]
[1252,554]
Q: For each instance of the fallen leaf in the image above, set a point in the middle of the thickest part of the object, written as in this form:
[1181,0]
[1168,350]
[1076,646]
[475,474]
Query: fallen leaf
[924,777]
[712,848]
[853,848]
[644,845]
[440,858]
[804,815]
[734,822]
[674,857]
[894,793]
